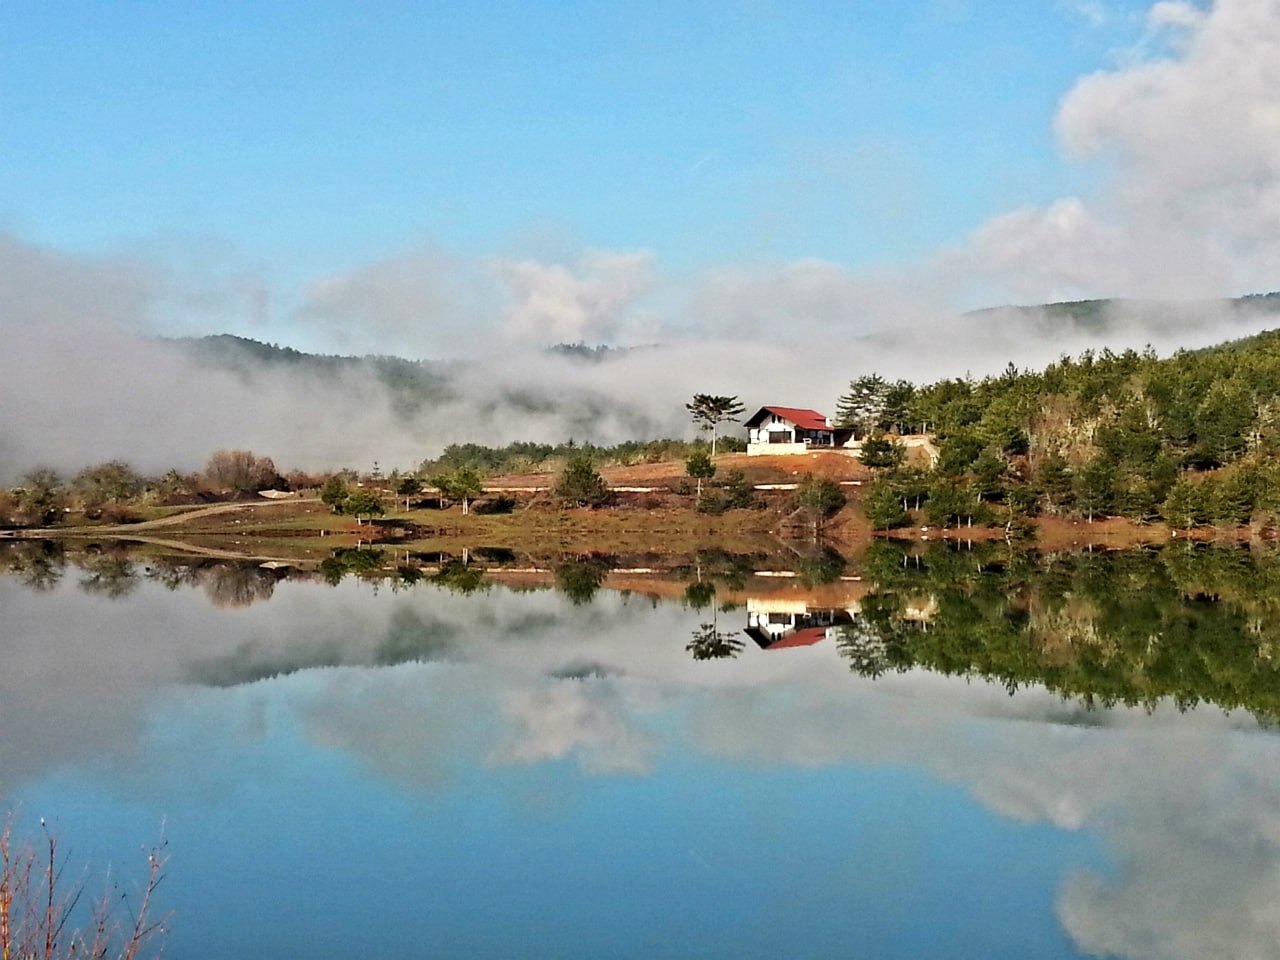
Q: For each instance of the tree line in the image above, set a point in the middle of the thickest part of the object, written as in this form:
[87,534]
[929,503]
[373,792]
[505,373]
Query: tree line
[115,492]
[110,491]
[1188,624]
[1188,439]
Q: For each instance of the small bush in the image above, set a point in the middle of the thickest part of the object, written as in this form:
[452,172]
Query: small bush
[581,484]
[713,502]
[501,504]
[738,491]
[820,495]
[118,513]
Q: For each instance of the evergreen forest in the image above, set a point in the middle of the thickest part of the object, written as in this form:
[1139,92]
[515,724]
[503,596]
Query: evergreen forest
[1189,439]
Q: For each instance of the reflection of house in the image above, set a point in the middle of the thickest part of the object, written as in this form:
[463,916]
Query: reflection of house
[776,625]
[792,430]
[920,611]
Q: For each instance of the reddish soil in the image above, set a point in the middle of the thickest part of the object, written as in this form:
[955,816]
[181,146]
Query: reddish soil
[765,469]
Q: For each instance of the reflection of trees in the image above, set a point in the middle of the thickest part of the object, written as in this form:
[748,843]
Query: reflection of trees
[580,579]
[361,561]
[227,583]
[459,577]
[864,647]
[173,572]
[408,575]
[39,564]
[110,574]
[110,571]
[820,568]
[713,565]
[700,595]
[710,643]
[237,585]
[1134,627]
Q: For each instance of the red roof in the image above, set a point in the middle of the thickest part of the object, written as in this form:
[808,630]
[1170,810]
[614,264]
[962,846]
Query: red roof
[801,638]
[804,419]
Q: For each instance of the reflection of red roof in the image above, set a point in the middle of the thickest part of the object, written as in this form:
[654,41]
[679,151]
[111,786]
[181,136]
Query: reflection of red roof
[804,419]
[801,638]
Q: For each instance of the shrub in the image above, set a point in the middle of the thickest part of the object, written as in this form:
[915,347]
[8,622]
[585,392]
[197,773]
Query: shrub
[820,495]
[581,484]
[39,907]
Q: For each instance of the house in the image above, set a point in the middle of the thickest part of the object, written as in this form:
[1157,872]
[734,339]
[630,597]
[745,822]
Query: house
[781,624]
[792,430]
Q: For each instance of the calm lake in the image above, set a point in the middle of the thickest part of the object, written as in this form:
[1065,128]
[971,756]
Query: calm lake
[950,753]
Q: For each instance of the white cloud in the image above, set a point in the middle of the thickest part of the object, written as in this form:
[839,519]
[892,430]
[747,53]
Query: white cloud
[425,302]
[585,719]
[1187,133]
[41,289]
[592,302]
[1093,12]
[1183,805]
[1175,13]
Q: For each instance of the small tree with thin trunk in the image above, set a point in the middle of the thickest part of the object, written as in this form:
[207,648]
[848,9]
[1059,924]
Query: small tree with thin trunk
[709,411]
[408,487]
[700,467]
[362,503]
[463,484]
[334,493]
[821,497]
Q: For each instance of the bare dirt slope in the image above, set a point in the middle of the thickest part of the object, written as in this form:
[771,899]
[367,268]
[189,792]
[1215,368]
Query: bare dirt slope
[668,473]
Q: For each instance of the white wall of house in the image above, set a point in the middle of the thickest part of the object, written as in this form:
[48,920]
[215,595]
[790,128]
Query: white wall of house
[774,425]
[774,449]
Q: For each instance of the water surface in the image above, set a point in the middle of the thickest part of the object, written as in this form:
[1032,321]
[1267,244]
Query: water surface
[463,768]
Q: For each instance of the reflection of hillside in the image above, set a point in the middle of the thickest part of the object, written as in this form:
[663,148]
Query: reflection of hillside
[1188,625]
[1184,624]
[409,637]
[115,569]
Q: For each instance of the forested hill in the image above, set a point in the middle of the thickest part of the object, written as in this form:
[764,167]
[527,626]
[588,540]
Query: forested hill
[1101,317]
[410,383]
[415,387]
[1190,438]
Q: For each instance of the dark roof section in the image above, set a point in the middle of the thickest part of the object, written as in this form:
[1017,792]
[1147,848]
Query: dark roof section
[802,418]
[801,638]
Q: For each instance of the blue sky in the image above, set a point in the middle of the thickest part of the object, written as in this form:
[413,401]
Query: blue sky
[306,138]
[619,171]
[323,134]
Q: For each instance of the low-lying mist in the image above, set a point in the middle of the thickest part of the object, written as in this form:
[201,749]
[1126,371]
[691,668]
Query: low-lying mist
[72,400]
[83,379]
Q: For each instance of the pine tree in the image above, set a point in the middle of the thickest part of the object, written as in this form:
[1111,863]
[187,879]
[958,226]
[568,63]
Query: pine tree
[709,411]
[863,405]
